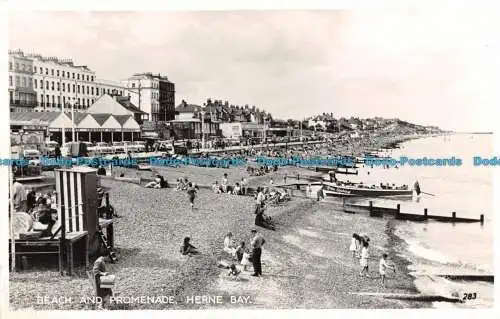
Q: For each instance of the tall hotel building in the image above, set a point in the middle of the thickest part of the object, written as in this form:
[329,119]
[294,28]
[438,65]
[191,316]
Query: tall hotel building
[53,81]
[153,94]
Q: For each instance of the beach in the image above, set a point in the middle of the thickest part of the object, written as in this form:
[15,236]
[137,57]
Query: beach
[306,262]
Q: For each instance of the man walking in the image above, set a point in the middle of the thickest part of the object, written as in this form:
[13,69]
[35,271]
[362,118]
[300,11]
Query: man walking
[257,243]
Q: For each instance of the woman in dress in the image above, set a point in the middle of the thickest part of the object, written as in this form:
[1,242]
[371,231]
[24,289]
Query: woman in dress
[229,245]
[364,259]
[355,242]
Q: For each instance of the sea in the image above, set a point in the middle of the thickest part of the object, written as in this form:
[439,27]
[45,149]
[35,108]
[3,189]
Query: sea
[438,248]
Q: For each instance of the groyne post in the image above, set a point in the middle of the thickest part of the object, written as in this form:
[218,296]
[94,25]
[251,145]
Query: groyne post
[398,211]
[371,207]
[453,216]
[425,213]
[481,219]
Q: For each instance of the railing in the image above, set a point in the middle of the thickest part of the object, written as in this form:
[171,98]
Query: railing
[23,103]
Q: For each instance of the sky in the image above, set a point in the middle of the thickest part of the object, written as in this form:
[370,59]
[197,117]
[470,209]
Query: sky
[430,67]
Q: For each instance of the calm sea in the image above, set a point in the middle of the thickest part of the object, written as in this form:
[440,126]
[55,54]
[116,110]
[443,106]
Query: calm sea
[437,248]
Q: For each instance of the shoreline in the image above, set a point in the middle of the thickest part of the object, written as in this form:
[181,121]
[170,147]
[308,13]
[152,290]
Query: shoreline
[148,238]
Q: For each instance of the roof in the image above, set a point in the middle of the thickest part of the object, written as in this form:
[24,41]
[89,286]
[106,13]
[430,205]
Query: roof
[78,116]
[125,102]
[122,118]
[188,108]
[29,116]
[100,118]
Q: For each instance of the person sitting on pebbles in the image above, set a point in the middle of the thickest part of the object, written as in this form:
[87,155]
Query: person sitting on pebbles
[159,182]
[187,248]
[237,189]
[216,187]
[233,272]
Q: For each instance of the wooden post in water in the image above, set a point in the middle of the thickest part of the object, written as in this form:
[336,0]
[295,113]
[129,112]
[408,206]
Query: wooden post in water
[398,211]
[371,207]
[481,219]
[425,213]
[453,216]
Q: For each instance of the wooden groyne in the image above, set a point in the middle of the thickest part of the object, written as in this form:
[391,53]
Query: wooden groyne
[376,211]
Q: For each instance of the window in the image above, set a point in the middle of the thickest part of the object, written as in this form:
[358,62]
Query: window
[78,102]
[57,72]
[63,74]
[64,100]
[17,66]
[10,65]
[58,86]
[10,80]
[64,87]
[53,100]
[36,84]
[73,88]
[78,89]
[41,70]
[52,72]
[41,98]
[46,71]
[87,78]
[133,85]
[78,76]
[18,80]
[47,100]
[47,85]
[58,101]
[52,86]
[92,90]
[73,75]
[88,90]
[88,102]
[108,91]
[93,101]
[92,78]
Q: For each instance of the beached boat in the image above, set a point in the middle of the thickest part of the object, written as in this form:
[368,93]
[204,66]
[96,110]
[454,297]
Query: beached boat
[342,189]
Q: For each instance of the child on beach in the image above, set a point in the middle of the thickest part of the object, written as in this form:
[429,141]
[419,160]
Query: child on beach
[191,194]
[364,259]
[229,245]
[355,242]
[245,260]
[233,272]
[383,267]
[240,250]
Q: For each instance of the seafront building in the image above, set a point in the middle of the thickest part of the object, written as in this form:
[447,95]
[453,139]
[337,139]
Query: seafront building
[153,94]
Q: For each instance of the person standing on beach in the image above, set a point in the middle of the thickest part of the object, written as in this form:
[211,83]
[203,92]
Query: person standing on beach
[257,242]
[19,196]
[383,267]
[244,184]
[191,190]
[259,201]
[364,259]
[224,183]
[354,245]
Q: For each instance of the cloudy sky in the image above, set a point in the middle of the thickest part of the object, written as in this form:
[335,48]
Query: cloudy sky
[429,67]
